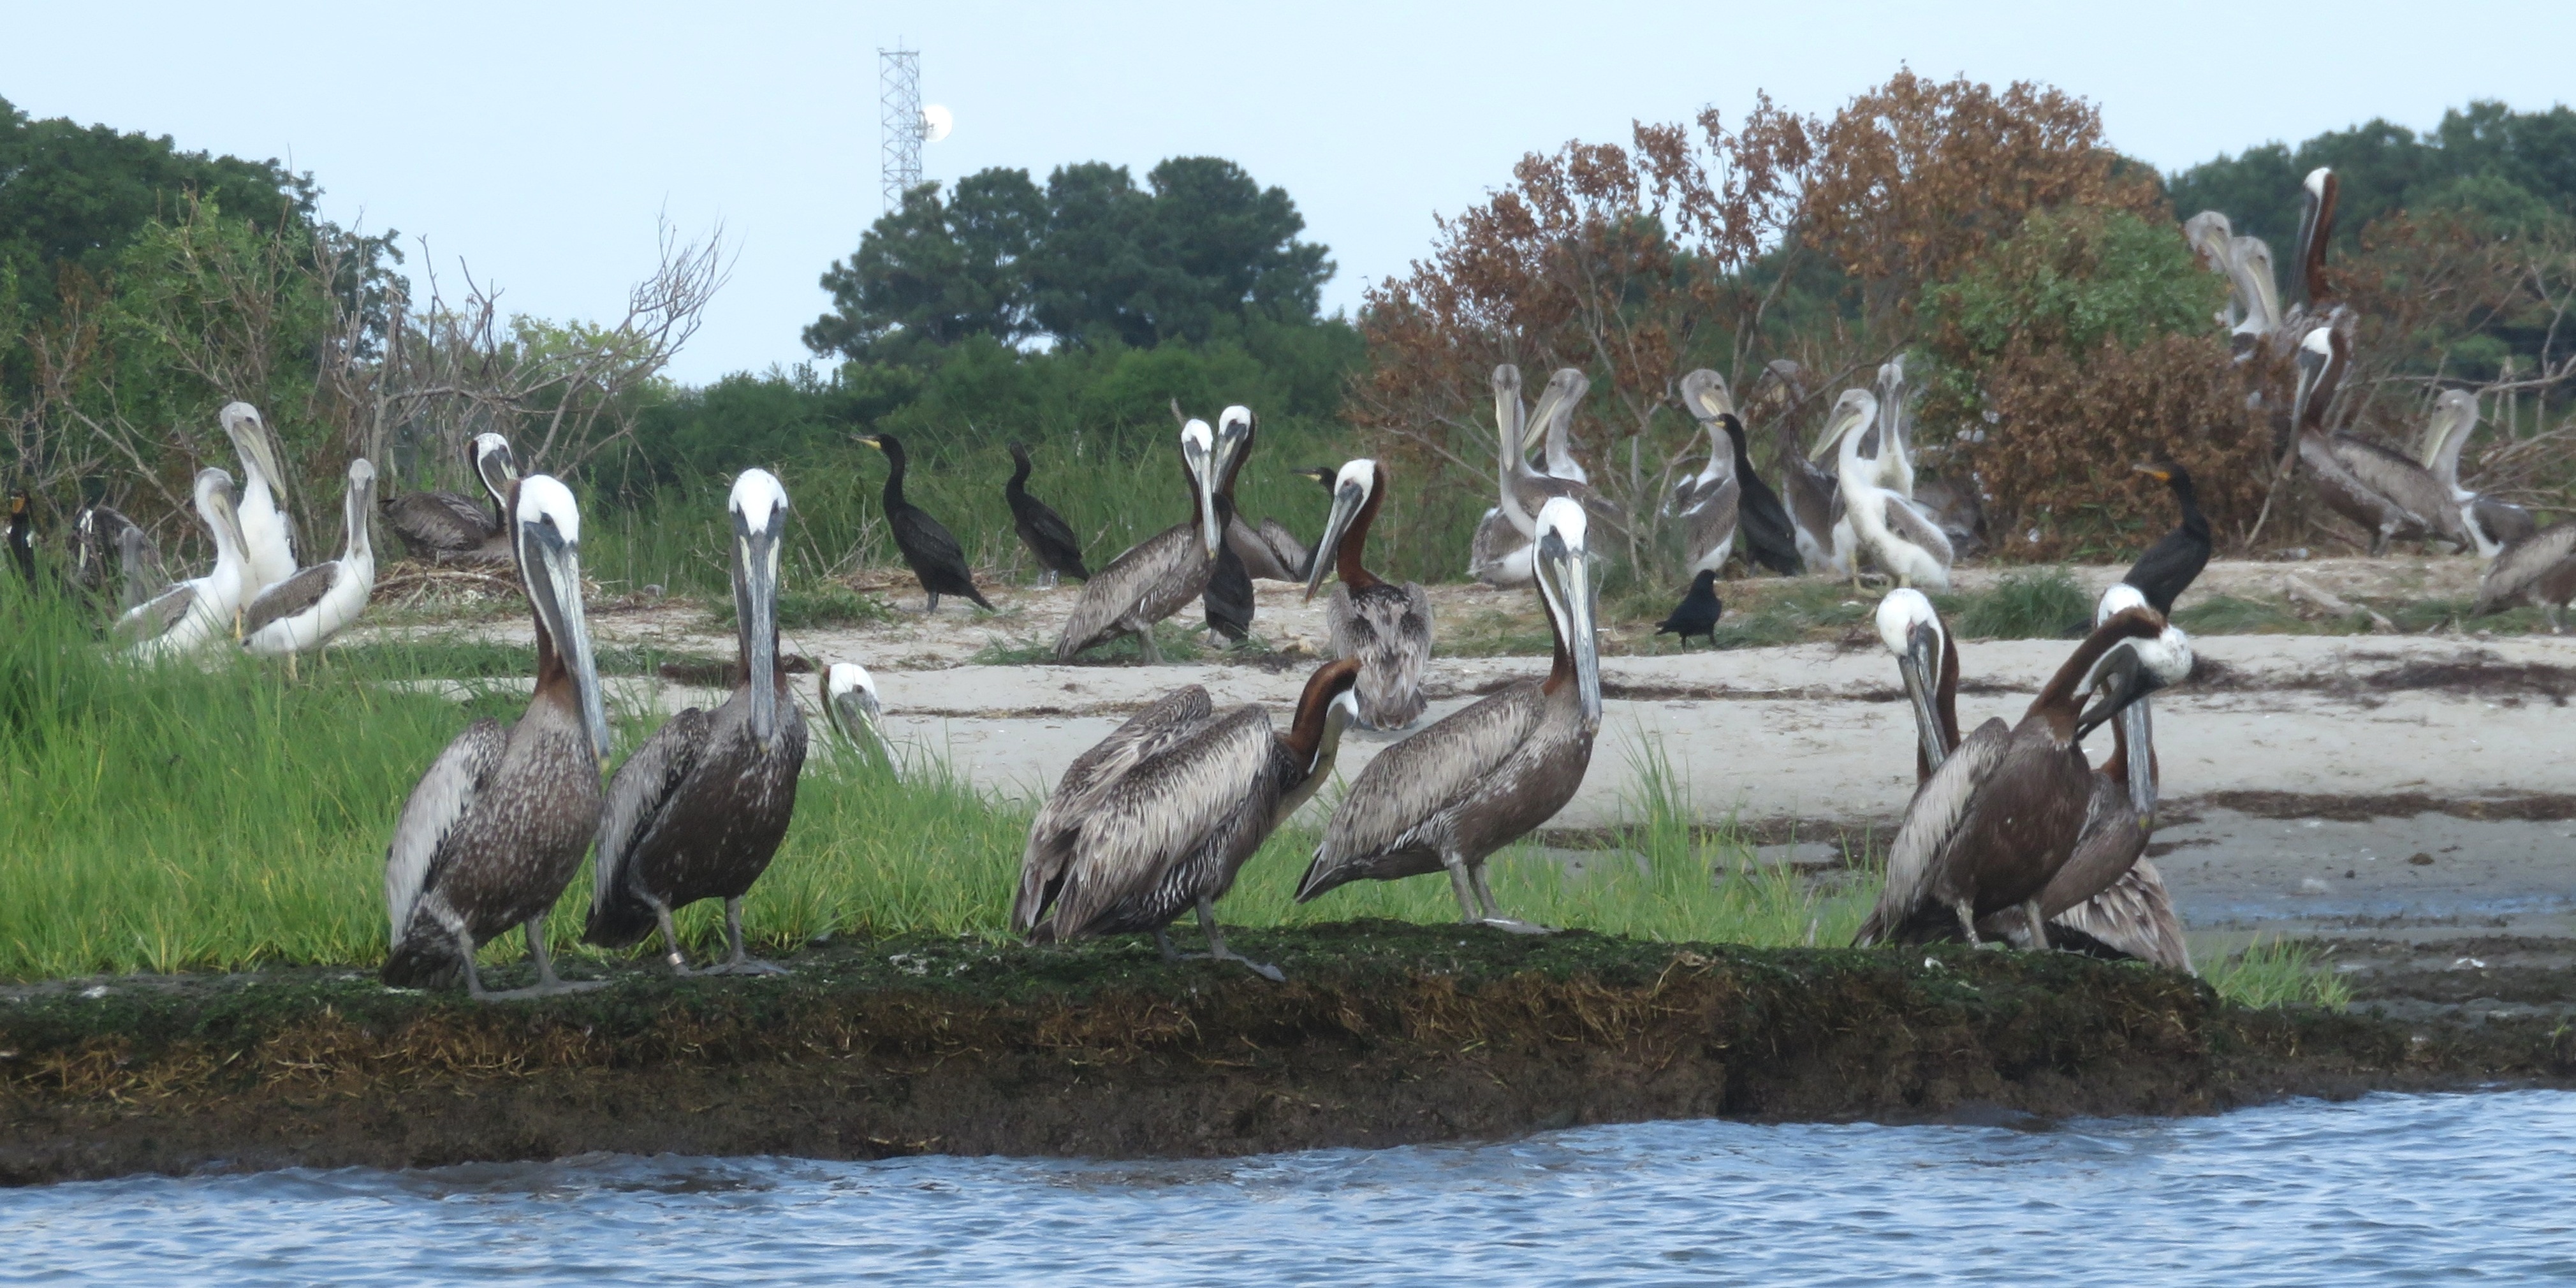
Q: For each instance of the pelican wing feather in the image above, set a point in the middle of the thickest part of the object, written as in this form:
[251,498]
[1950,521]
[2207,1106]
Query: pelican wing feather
[1161,725]
[2520,567]
[1932,820]
[159,615]
[1909,519]
[441,800]
[1154,579]
[2135,916]
[1388,628]
[1144,827]
[1406,789]
[637,797]
[287,598]
[2407,485]
[438,522]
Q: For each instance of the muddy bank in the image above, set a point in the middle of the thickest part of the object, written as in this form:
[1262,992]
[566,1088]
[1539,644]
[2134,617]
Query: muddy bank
[1385,1034]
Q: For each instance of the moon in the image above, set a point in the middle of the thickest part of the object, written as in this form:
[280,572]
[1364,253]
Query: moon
[936,122]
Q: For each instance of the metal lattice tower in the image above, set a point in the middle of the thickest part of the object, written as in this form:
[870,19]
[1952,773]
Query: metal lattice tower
[899,100]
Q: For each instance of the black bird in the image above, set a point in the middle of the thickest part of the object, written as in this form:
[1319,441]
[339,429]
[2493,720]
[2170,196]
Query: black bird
[22,536]
[2170,565]
[938,562]
[1042,530]
[1700,608]
[1769,538]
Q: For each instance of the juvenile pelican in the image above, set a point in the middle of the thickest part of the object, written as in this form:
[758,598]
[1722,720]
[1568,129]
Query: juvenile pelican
[2209,234]
[2491,523]
[2256,289]
[1499,554]
[1451,795]
[698,811]
[497,827]
[2004,810]
[1901,540]
[199,609]
[1160,574]
[2173,562]
[268,535]
[2539,569]
[1707,502]
[1386,628]
[1041,529]
[2390,496]
[451,527]
[299,613]
[1158,819]
[937,561]
[1895,461]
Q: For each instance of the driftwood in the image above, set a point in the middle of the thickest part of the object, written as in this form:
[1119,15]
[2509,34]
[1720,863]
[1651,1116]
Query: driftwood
[2297,589]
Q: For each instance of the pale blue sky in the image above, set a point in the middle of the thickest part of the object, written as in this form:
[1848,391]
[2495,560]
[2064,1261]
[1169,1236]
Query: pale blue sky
[537,142]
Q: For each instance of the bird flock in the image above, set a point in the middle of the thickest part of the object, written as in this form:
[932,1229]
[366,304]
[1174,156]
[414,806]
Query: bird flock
[2011,836]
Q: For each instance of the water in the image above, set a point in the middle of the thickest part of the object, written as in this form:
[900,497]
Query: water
[2385,1190]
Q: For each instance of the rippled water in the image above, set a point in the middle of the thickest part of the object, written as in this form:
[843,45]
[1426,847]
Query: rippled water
[2389,1189]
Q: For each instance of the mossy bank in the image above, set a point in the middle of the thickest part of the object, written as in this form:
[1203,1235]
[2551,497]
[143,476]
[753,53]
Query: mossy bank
[1385,1034]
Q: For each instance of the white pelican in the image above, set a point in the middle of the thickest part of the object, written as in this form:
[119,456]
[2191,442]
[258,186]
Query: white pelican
[199,609]
[268,535]
[1902,541]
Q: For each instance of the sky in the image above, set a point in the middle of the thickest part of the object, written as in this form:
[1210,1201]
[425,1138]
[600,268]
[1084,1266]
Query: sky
[541,145]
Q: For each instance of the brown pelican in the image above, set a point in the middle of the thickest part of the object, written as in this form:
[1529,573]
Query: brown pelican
[2255,288]
[268,535]
[1902,541]
[1928,662]
[2539,569]
[1698,612]
[451,527]
[1041,529]
[22,536]
[2173,562]
[1895,462]
[1158,818]
[1707,502]
[1499,554]
[850,703]
[1227,605]
[102,531]
[2210,234]
[1384,627]
[937,561]
[497,827]
[199,609]
[2491,523]
[2317,195]
[698,811]
[1451,795]
[316,603]
[1160,574]
[2004,810]
[2390,496]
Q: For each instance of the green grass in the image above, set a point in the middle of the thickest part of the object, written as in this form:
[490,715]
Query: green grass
[1788,612]
[1178,639]
[824,604]
[2038,603]
[2276,973]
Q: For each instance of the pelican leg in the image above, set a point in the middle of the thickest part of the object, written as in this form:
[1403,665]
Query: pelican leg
[465,953]
[1494,910]
[1470,910]
[1163,937]
[547,984]
[678,961]
[739,962]
[2038,925]
[1217,951]
[1145,641]
[1967,913]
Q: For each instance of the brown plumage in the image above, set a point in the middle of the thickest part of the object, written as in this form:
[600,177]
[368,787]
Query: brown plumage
[1160,575]
[1157,820]
[2539,569]
[1383,626]
[451,527]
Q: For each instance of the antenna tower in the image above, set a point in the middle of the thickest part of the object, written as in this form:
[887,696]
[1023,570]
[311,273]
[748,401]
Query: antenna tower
[899,102]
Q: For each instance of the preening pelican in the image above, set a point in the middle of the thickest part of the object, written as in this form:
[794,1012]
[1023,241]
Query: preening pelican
[1902,541]
[1895,461]
[2390,496]
[451,527]
[2491,523]
[2539,569]
[102,533]
[268,535]
[1384,627]
[1811,495]
[1158,818]
[1707,502]
[497,827]
[850,703]
[2003,811]
[1698,612]
[937,561]
[698,811]
[1449,796]
[1041,529]
[299,613]
[199,609]
[1169,569]
[2175,560]
[1499,554]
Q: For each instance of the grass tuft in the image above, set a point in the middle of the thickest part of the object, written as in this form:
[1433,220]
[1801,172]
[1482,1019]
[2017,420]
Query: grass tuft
[2036,604]
[2277,973]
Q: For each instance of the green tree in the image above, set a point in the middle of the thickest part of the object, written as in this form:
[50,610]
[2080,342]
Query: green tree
[2517,169]
[937,271]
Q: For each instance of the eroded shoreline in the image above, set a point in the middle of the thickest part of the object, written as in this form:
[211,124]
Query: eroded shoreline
[1386,1034]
